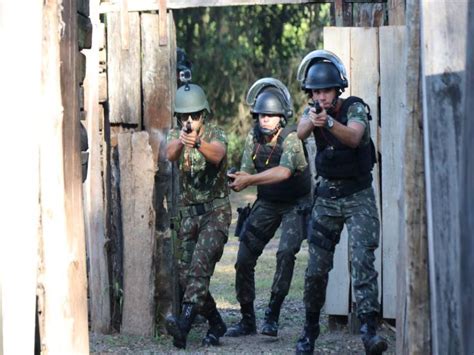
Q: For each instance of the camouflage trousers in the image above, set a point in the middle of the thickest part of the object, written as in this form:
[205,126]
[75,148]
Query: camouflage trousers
[261,225]
[202,243]
[359,213]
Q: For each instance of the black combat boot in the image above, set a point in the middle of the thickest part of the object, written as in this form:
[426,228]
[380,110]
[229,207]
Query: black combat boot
[179,327]
[272,314]
[305,344]
[247,325]
[217,328]
[374,344]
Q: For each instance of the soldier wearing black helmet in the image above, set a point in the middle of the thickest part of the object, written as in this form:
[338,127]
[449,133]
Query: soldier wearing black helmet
[275,162]
[205,214]
[344,195]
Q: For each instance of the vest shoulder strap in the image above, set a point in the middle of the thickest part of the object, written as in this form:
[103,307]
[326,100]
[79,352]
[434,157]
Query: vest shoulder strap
[342,114]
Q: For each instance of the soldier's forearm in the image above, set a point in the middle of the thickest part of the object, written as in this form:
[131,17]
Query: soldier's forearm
[174,150]
[304,129]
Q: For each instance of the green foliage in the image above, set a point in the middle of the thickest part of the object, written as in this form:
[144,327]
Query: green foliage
[231,47]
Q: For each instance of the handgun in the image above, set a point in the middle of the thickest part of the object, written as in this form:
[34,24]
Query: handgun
[232,170]
[188,129]
[315,104]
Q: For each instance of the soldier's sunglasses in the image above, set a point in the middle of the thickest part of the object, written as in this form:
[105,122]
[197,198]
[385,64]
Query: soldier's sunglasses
[195,116]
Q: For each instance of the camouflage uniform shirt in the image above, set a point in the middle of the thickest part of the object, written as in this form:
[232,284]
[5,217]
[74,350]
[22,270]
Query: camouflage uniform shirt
[292,157]
[201,181]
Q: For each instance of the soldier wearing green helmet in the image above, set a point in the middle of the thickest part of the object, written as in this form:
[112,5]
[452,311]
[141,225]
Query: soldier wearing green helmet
[200,149]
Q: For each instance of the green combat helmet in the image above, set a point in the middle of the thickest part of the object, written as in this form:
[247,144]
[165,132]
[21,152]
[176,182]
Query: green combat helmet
[191,98]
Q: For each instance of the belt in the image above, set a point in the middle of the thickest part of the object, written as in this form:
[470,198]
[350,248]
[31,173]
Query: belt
[335,191]
[199,209]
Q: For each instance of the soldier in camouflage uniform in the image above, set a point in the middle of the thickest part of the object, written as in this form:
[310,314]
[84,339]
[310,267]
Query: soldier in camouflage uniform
[344,195]
[200,150]
[275,161]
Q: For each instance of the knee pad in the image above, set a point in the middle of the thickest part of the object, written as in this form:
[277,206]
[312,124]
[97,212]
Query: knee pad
[323,237]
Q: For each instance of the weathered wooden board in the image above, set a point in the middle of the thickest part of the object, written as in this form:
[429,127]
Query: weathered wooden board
[393,111]
[137,173]
[396,12]
[20,176]
[365,84]
[94,192]
[413,318]
[62,279]
[153,5]
[443,43]
[369,15]
[156,80]
[123,71]
[337,40]
[467,201]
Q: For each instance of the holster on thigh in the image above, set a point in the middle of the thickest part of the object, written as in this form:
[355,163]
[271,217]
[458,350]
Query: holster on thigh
[323,237]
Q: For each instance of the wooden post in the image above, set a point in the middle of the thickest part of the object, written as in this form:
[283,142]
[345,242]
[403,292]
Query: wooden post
[443,44]
[467,198]
[62,279]
[413,319]
[137,171]
[98,270]
[392,94]
[20,176]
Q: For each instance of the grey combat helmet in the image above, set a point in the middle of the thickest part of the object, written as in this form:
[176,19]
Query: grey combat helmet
[322,69]
[270,96]
[191,98]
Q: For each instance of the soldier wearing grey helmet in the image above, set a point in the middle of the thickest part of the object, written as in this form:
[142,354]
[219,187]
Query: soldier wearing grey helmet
[344,195]
[274,161]
[200,149]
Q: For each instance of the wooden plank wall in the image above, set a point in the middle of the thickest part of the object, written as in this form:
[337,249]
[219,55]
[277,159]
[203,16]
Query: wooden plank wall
[137,171]
[337,40]
[443,42]
[124,71]
[20,185]
[392,94]
[363,75]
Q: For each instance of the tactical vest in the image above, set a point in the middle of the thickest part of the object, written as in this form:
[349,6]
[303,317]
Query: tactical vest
[335,160]
[267,157]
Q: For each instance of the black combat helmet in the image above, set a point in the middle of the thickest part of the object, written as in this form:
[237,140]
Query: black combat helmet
[323,75]
[270,96]
[321,69]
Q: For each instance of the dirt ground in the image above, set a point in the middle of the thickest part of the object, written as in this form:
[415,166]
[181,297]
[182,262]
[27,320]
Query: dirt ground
[338,340]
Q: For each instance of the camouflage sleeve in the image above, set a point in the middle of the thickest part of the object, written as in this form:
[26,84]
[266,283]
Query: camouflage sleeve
[247,164]
[218,135]
[172,134]
[293,156]
[357,113]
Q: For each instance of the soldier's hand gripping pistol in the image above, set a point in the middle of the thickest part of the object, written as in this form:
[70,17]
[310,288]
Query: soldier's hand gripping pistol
[316,106]
[188,129]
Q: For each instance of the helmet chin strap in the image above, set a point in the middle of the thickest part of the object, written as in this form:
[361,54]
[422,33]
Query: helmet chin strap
[331,110]
[269,132]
